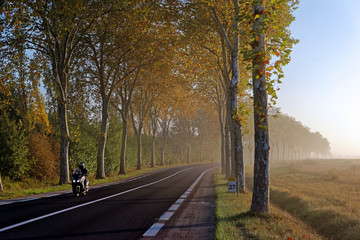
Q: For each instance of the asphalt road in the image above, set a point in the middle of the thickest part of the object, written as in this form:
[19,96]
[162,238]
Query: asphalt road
[120,211]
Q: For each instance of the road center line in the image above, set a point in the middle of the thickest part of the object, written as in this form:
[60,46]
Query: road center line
[87,203]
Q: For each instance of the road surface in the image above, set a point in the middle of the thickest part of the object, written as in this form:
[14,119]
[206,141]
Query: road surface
[144,207]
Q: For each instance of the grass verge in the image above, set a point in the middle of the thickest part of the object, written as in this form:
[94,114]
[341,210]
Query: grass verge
[322,193]
[234,221]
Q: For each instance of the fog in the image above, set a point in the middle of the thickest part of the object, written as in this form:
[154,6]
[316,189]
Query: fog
[321,89]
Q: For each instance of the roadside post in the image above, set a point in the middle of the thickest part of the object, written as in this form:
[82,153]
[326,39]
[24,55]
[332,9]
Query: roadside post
[232,184]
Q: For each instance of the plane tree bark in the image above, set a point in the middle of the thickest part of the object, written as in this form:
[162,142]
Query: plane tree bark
[154,117]
[260,197]
[235,124]
[270,50]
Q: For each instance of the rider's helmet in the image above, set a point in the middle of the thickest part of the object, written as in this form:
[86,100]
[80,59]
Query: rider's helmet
[81,166]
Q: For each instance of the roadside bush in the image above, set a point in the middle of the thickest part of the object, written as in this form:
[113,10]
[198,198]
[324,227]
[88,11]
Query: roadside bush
[13,148]
[44,153]
[83,146]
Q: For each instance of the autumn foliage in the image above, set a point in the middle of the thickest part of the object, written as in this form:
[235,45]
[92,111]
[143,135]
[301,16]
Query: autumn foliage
[44,155]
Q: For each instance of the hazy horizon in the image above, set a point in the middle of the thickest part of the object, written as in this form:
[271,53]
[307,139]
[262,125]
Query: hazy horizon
[321,88]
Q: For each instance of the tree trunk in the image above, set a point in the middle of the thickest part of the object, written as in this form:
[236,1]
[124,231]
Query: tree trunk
[153,130]
[260,197]
[1,185]
[123,148]
[227,149]
[201,148]
[163,152]
[283,152]
[139,151]
[64,143]
[100,172]
[189,152]
[250,152]
[153,152]
[235,123]
[223,159]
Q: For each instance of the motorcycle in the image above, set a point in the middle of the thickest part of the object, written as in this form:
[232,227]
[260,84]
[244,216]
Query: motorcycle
[79,185]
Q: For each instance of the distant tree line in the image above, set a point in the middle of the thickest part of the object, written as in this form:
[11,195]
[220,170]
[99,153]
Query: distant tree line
[289,140]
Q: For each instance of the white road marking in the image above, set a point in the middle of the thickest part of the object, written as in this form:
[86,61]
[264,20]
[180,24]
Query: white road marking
[174,207]
[183,196]
[29,199]
[4,203]
[87,203]
[153,230]
[54,195]
[180,200]
[166,216]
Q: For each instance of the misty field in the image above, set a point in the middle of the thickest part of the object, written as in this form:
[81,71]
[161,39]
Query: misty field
[325,194]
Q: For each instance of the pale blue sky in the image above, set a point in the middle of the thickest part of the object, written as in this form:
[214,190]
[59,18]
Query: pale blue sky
[322,82]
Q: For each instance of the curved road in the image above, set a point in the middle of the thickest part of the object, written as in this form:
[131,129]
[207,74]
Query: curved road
[126,210]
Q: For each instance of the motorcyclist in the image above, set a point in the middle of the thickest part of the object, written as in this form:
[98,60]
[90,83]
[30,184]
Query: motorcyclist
[84,172]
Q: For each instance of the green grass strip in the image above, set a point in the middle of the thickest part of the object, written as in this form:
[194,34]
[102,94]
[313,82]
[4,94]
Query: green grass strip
[234,221]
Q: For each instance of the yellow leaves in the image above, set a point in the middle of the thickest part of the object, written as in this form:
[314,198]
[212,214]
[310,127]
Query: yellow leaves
[75,133]
[38,113]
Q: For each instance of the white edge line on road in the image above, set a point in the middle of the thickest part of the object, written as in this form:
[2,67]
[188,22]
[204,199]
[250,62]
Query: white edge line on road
[183,196]
[87,203]
[166,216]
[53,195]
[30,199]
[5,203]
[154,229]
[174,207]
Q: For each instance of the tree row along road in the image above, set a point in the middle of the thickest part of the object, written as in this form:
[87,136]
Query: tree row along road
[120,211]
